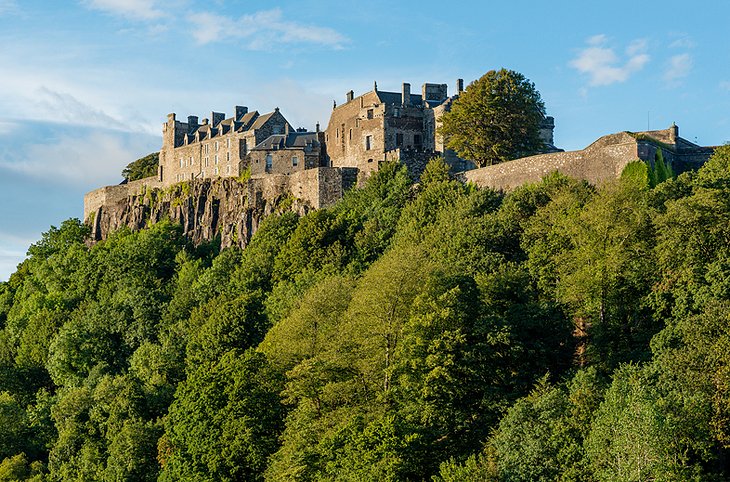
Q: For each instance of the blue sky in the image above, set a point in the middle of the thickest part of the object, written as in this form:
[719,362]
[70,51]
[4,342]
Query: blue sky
[85,85]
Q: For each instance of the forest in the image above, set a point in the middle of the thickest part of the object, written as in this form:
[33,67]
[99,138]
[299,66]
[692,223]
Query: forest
[426,331]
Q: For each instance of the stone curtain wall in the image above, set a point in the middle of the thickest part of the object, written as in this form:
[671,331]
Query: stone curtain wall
[110,195]
[603,160]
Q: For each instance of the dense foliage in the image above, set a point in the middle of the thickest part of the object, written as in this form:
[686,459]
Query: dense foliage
[143,167]
[431,332]
[497,118]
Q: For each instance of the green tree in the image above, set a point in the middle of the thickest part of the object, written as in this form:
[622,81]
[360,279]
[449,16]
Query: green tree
[497,118]
[143,167]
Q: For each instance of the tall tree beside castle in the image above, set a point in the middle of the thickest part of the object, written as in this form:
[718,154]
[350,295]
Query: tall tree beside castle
[497,118]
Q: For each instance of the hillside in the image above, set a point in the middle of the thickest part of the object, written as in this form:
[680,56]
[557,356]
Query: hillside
[406,333]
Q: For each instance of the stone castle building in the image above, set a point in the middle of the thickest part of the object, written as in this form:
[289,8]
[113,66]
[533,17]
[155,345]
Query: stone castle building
[215,147]
[377,126]
[382,126]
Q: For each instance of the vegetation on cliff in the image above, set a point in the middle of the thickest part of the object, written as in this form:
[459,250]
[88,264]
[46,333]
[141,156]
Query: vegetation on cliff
[143,167]
[431,332]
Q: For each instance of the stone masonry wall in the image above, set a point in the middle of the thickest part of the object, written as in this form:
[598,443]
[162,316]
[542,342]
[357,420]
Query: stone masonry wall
[603,160]
[110,195]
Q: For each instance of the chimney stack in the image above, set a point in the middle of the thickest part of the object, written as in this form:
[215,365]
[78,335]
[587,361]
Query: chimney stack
[239,111]
[216,118]
[192,123]
[459,86]
[317,127]
[406,100]
[350,96]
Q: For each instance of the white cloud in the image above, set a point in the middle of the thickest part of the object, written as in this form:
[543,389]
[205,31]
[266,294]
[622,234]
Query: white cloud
[132,9]
[678,68]
[683,42]
[604,66]
[262,30]
[66,108]
[96,158]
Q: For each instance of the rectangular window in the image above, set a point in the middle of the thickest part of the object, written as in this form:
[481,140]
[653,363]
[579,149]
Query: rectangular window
[368,142]
[216,159]
[294,161]
[228,143]
[269,162]
[370,113]
[396,112]
[245,147]
[191,160]
[217,146]
[417,140]
[206,162]
[182,164]
[228,156]
[399,139]
[216,171]
[228,169]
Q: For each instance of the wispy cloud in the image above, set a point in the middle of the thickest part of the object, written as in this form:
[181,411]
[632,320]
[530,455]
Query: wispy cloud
[264,30]
[8,6]
[65,107]
[683,42]
[131,9]
[678,67]
[604,66]
[93,156]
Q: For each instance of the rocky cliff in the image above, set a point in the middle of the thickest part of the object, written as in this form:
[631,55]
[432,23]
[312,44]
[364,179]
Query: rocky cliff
[208,208]
[205,209]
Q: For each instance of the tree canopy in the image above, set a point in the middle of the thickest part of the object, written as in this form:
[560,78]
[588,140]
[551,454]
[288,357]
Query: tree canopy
[143,167]
[437,332]
[497,118]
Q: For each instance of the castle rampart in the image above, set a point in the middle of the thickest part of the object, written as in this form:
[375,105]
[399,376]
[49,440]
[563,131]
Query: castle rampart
[601,161]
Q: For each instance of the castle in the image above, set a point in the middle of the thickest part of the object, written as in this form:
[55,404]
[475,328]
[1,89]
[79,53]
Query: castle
[363,132]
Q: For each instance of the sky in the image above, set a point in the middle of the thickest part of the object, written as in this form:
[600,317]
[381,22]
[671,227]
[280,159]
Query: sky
[85,85]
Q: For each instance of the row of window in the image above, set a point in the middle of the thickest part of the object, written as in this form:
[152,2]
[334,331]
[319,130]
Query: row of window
[182,176]
[190,162]
[270,161]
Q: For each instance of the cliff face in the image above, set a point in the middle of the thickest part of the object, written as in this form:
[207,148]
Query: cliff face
[205,208]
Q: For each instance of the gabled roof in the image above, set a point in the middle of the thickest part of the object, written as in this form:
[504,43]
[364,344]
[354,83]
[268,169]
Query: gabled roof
[294,140]
[247,119]
[262,119]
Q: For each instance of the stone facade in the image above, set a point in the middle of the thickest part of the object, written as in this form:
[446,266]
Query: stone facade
[288,153]
[603,160]
[214,148]
[379,125]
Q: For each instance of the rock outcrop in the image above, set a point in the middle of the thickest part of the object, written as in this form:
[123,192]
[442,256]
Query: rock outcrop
[205,209]
[229,208]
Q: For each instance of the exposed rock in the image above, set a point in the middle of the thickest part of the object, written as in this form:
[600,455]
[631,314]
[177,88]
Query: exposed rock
[205,208]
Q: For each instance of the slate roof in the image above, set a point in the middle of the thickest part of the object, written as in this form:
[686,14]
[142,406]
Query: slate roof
[295,140]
